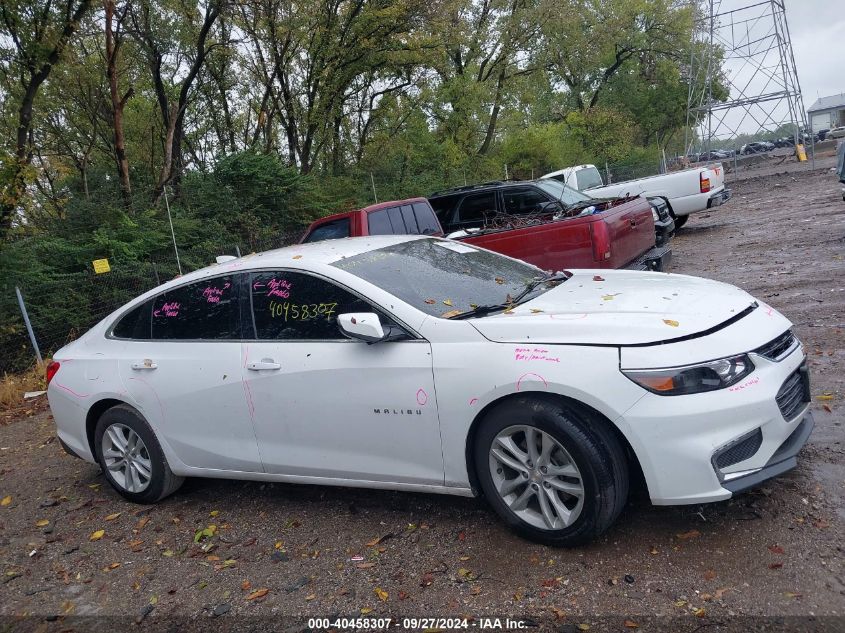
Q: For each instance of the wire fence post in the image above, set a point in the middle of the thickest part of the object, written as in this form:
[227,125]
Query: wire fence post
[172,232]
[238,250]
[373,183]
[28,326]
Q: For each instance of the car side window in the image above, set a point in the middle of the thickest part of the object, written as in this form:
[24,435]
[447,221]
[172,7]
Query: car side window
[206,310]
[136,324]
[426,220]
[475,207]
[523,200]
[295,306]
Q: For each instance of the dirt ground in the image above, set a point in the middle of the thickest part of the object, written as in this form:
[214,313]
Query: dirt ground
[71,549]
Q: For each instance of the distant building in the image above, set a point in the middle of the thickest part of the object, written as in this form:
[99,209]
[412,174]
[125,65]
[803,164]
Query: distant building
[827,112]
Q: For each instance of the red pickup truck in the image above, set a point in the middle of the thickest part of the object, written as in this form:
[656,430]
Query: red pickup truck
[542,222]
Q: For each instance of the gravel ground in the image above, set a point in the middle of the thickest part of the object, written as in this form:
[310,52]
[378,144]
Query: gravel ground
[71,548]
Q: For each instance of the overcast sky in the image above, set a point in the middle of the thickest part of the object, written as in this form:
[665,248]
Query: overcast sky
[817,29]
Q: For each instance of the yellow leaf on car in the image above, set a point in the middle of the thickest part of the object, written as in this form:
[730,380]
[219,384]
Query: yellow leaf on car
[671,322]
[447,302]
[96,536]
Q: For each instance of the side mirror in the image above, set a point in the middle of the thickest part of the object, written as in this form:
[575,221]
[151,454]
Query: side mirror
[364,326]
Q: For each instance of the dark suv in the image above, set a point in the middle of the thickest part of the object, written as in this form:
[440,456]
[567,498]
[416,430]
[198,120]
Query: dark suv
[477,205]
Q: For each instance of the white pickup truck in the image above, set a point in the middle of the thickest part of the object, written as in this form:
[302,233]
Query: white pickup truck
[686,191]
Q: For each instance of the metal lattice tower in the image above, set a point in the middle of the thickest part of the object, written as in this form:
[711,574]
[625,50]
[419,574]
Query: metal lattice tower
[748,49]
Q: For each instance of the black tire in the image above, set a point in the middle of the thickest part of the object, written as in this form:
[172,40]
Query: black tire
[162,480]
[593,447]
[680,220]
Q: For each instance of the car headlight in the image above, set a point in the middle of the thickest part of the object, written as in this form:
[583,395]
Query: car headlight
[654,214]
[709,376]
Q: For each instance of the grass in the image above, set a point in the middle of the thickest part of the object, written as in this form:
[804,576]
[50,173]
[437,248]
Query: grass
[13,386]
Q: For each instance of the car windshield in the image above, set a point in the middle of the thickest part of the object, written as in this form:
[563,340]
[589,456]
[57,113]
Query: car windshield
[566,194]
[443,277]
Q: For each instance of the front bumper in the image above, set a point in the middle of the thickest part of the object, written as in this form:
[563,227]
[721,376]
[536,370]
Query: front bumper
[679,439]
[784,459]
[663,230]
[720,198]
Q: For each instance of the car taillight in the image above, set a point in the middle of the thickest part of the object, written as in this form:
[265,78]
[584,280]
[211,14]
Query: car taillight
[601,241]
[705,183]
[52,369]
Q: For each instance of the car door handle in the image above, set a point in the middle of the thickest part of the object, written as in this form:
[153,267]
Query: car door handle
[264,363]
[144,364]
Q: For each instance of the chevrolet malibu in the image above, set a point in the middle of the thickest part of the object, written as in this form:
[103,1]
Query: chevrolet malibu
[429,365]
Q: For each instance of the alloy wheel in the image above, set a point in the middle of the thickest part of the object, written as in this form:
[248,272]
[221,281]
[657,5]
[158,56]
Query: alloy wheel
[127,458]
[536,477]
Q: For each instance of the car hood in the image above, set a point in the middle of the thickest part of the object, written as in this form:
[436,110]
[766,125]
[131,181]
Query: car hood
[619,307]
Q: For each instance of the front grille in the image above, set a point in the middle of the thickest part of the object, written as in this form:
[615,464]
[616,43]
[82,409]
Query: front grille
[776,348]
[794,393]
[740,451]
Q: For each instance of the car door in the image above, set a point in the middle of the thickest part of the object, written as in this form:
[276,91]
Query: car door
[328,406]
[180,364]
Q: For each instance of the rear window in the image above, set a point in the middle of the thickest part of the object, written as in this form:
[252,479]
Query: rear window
[136,324]
[389,222]
[334,230]
[426,220]
[589,178]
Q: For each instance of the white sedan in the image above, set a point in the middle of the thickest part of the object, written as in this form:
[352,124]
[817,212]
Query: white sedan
[425,364]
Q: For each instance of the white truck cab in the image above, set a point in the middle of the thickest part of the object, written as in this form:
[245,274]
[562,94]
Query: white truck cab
[687,191]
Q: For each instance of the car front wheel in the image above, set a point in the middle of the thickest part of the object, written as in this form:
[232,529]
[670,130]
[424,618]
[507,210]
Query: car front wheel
[552,471]
[131,457]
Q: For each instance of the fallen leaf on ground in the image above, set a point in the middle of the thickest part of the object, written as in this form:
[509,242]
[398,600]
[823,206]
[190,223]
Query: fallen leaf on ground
[688,535]
[365,565]
[96,536]
[584,626]
[721,592]
[142,523]
[631,624]
[558,613]
[403,595]
[775,549]
[709,574]
[6,500]
[775,565]
[245,585]
[311,596]
[258,593]
[42,522]
[112,517]
[366,610]
[671,322]
[699,612]
[825,396]
[214,513]
[381,593]
[790,594]
[827,408]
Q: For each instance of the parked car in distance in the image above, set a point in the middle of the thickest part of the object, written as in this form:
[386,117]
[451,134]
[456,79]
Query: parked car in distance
[756,147]
[686,191]
[423,364]
[398,217]
[837,132]
[543,223]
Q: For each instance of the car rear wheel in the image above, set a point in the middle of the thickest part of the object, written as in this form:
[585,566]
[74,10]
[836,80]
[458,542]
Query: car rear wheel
[552,471]
[131,457]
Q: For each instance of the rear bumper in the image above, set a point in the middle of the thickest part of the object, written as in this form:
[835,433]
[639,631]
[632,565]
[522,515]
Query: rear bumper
[719,198]
[655,259]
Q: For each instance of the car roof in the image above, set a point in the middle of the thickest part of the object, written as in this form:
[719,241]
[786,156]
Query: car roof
[306,256]
[369,209]
[493,184]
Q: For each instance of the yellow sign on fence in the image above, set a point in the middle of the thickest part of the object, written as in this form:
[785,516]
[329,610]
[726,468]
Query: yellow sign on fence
[101,266]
